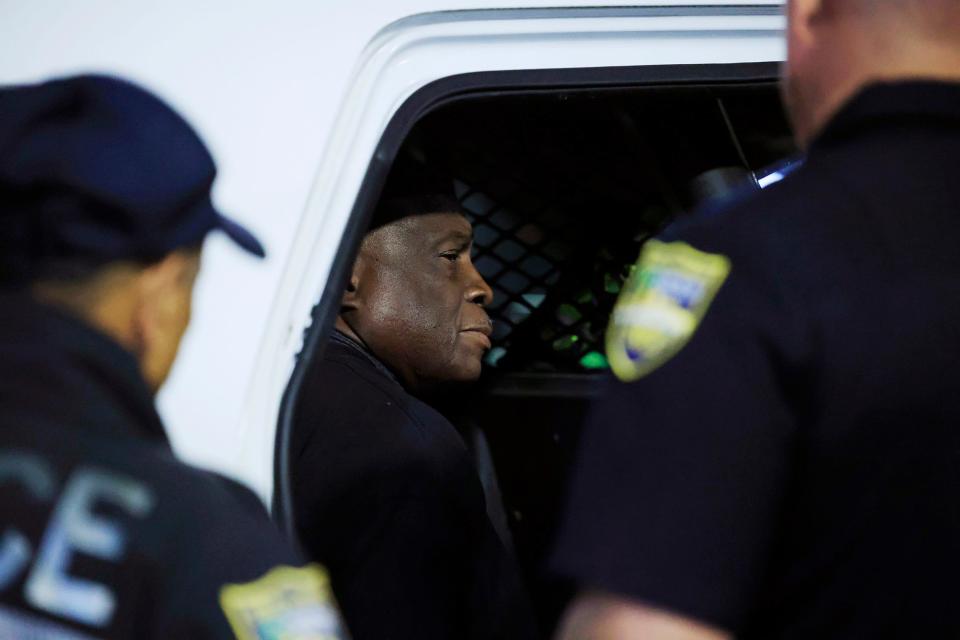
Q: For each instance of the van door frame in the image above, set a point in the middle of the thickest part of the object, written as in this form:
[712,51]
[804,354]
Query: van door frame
[421,103]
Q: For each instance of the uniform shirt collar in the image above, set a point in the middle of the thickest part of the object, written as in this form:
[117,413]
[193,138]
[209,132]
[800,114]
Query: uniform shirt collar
[894,104]
[56,366]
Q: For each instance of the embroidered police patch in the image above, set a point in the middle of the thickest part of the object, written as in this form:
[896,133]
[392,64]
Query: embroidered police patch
[662,303]
[286,604]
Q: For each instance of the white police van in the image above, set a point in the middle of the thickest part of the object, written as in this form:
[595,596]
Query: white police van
[572,134]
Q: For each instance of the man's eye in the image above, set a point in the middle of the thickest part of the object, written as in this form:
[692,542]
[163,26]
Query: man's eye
[452,256]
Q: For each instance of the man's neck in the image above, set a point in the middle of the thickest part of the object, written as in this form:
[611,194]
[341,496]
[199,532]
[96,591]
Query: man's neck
[407,381]
[341,325]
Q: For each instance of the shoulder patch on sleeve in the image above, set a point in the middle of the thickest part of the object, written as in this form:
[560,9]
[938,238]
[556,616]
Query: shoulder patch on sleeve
[661,306]
[288,603]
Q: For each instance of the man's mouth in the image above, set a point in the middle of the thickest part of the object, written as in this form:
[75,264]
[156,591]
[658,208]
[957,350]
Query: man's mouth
[481,334]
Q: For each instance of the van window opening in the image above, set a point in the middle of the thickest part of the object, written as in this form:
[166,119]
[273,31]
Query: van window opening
[563,184]
[564,188]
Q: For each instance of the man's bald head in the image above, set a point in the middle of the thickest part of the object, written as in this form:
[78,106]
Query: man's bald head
[930,17]
[836,47]
[906,8]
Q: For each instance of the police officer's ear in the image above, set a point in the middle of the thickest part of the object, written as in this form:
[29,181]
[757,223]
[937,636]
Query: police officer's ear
[803,16]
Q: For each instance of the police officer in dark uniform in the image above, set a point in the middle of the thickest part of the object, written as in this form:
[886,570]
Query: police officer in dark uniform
[784,461]
[104,203]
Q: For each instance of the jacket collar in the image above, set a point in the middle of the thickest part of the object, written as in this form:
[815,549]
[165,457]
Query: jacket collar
[55,366]
[896,104]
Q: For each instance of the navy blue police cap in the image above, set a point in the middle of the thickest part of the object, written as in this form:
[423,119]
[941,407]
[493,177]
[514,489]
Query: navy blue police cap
[94,169]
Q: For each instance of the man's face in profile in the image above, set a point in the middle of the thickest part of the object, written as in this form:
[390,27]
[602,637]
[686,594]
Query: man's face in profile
[419,300]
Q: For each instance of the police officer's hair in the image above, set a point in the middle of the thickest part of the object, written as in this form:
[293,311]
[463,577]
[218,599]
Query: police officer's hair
[81,285]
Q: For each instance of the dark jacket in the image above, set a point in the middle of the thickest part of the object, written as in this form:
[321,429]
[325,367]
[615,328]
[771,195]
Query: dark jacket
[107,534]
[387,497]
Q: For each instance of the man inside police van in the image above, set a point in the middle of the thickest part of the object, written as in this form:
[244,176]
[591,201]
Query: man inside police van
[782,456]
[385,493]
[104,204]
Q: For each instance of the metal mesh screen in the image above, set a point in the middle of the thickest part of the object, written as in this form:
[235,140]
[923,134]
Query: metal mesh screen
[562,190]
[554,288]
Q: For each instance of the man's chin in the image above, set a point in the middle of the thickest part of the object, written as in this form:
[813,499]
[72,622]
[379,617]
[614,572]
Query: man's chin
[469,374]
[468,369]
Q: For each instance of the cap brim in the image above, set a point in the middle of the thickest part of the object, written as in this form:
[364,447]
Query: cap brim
[246,240]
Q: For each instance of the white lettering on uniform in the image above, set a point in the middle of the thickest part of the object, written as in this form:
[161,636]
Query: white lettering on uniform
[36,477]
[75,529]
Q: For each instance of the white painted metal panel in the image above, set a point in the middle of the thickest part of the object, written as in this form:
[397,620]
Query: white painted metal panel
[292,97]
[408,56]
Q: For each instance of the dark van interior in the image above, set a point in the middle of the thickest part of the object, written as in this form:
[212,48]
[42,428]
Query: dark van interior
[563,186]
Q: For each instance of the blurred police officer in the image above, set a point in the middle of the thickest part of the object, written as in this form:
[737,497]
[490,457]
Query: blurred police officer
[104,204]
[785,462]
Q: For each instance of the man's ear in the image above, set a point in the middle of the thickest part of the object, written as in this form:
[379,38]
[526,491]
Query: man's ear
[351,294]
[802,18]
[155,283]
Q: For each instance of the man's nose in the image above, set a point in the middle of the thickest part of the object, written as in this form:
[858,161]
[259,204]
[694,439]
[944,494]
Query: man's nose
[478,291]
